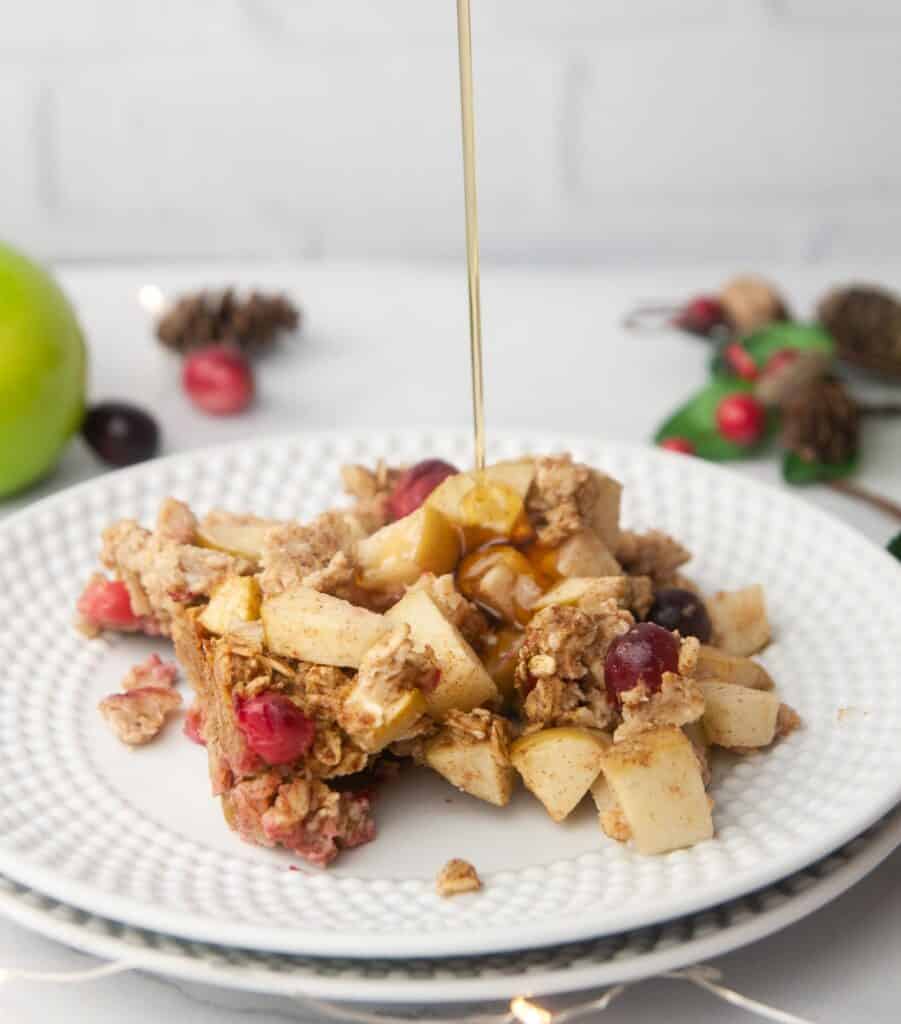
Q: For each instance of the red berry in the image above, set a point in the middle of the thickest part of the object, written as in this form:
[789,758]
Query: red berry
[107,605]
[701,316]
[275,728]
[416,484]
[641,655]
[678,444]
[741,418]
[218,379]
[780,359]
[739,361]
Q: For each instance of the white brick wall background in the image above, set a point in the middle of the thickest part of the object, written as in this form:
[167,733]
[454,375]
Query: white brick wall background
[617,131]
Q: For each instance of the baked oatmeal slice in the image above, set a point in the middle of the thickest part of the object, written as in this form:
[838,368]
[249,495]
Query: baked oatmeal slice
[270,726]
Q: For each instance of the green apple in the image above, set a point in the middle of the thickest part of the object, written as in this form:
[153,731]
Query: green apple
[42,371]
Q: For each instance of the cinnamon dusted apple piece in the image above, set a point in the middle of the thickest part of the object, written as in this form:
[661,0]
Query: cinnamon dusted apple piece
[631,593]
[463,683]
[485,505]
[730,668]
[738,717]
[471,752]
[559,765]
[240,535]
[656,781]
[398,554]
[585,554]
[740,623]
[234,601]
[318,628]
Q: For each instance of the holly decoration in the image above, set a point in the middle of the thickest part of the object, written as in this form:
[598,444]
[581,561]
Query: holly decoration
[740,408]
[894,546]
[774,378]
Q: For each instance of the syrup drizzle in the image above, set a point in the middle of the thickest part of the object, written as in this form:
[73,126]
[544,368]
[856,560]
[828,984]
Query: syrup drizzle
[464,39]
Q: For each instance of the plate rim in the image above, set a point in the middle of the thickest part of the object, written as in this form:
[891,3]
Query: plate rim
[91,937]
[448,942]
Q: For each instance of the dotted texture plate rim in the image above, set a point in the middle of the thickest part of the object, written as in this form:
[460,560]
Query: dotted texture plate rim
[70,833]
[570,968]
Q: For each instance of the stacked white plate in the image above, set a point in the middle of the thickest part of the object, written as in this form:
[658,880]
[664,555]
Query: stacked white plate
[132,839]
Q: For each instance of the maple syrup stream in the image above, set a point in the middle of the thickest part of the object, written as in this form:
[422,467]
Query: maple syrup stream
[464,38]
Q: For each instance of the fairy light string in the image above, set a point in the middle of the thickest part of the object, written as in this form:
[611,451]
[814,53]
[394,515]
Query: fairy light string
[522,1009]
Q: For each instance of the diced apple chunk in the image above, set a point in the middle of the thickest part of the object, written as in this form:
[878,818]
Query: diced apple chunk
[401,552]
[319,628]
[237,535]
[475,767]
[386,723]
[234,600]
[585,554]
[464,683]
[735,716]
[559,765]
[739,619]
[487,504]
[730,668]
[656,780]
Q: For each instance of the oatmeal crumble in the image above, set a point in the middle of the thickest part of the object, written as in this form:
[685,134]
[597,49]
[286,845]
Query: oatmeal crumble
[653,554]
[137,716]
[457,876]
[292,552]
[151,672]
[677,702]
[372,489]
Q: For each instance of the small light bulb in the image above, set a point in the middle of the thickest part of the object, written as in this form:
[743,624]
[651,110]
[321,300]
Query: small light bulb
[529,1013]
[151,299]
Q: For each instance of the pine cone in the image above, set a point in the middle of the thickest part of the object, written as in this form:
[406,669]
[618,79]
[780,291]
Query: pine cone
[208,318]
[821,422]
[866,325]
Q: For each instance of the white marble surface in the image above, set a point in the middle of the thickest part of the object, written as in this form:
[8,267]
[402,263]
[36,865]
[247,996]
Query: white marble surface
[387,347]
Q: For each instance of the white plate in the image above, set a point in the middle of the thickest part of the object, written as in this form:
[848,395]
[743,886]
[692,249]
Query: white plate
[133,835]
[571,968]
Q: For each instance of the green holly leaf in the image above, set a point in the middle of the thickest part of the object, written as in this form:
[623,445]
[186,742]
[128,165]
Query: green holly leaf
[800,472]
[696,422]
[894,546]
[763,344]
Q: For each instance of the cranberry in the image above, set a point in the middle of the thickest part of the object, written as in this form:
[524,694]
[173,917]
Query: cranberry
[106,603]
[218,379]
[741,418]
[739,361]
[416,484]
[641,655]
[779,360]
[674,608]
[121,434]
[275,728]
[678,444]
[703,315]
